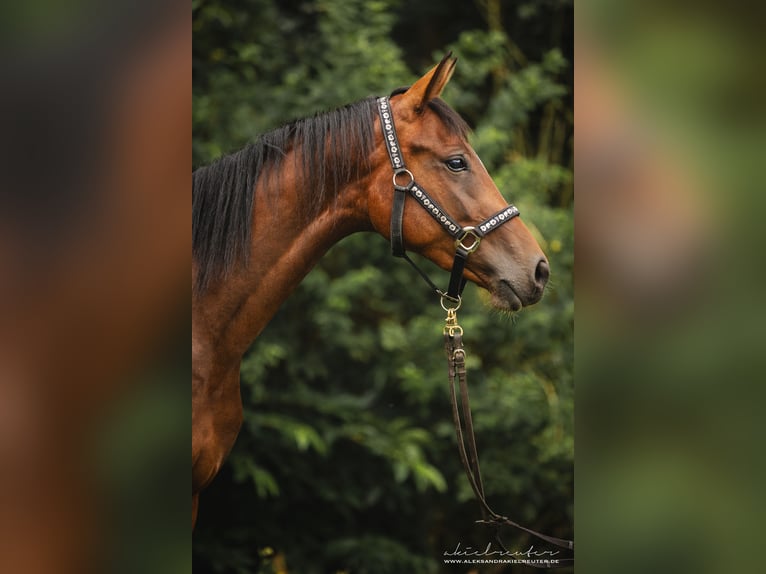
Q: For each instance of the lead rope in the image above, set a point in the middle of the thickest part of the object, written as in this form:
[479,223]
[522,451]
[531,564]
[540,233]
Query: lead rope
[456,355]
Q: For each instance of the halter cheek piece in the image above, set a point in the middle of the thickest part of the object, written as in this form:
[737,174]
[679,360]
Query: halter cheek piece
[467,239]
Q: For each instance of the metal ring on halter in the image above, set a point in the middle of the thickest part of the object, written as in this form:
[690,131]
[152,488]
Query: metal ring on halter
[402,171]
[444,296]
[466,231]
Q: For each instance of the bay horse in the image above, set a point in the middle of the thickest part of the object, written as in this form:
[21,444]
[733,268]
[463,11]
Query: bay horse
[265,215]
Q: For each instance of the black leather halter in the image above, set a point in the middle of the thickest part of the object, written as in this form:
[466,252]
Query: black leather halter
[467,239]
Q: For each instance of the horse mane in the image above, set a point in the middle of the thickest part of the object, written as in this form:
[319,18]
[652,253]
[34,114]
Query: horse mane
[333,150]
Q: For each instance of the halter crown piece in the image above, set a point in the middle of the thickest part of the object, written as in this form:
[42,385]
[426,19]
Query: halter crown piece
[467,239]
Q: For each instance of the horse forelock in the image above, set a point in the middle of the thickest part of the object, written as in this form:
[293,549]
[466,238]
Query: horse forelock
[449,117]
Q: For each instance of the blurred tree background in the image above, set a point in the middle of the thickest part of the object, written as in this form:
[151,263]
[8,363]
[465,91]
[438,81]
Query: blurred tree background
[347,461]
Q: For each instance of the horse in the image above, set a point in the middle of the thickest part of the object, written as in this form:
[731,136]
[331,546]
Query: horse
[264,216]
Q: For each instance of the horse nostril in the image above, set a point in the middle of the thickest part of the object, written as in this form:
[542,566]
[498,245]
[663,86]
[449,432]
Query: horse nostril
[542,272]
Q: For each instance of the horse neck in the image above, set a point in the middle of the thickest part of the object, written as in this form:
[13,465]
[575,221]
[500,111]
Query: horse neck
[286,245]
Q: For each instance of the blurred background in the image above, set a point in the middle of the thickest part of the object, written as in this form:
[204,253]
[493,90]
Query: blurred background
[95,113]
[670,148]
[347,460]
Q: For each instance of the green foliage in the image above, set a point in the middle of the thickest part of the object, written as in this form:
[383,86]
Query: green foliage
[347,461]
[259,63]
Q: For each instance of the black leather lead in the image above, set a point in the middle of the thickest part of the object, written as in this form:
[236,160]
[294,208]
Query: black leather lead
[469,455]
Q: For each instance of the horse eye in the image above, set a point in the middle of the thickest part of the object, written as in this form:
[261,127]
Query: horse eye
[456,164]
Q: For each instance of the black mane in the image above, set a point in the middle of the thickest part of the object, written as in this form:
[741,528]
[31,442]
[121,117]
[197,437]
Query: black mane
[333,147]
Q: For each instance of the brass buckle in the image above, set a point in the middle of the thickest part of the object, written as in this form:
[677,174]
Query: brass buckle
[466,231]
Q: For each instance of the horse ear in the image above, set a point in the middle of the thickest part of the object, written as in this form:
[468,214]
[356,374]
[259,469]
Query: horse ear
[430,86]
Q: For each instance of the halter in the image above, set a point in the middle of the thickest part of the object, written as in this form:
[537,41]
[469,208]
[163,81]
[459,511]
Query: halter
[467,240]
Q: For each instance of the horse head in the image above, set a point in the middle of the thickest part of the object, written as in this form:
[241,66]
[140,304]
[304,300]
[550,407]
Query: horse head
[433,140]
